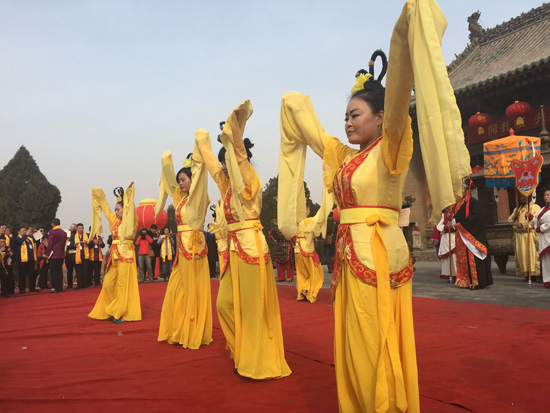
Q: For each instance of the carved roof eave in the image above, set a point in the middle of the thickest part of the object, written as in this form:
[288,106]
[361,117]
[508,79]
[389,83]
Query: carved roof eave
[525,71]
[502,77]
[520,22]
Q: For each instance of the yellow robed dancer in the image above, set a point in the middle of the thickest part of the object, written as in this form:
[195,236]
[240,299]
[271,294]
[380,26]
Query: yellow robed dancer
[374,347]
[119,296]
[219,229]
[247,304]
[294,223]
[186,316]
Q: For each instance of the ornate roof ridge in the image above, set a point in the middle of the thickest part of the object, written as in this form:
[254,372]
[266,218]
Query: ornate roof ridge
[481,36]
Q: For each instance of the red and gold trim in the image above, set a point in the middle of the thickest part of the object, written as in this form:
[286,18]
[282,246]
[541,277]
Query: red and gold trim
[471,238]
[227,206]
[232,236]
[446,255]
[178,210]
[189,255]
[342,179]
[464,259]
[346,252]
[223,257]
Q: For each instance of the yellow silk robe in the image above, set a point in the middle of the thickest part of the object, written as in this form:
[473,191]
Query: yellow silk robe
[309,272]
[219,229]
[186,317]
[375,356]
[247,304]
[521,239]
[119,296]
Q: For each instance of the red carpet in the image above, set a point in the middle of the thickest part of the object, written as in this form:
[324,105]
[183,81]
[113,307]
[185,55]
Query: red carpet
[482,358]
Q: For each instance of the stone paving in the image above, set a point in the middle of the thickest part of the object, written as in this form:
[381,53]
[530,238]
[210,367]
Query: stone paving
[506,290]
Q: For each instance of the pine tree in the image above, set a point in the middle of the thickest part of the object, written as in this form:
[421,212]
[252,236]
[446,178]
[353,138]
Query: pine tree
[172,223]
[26,196]
[269,203]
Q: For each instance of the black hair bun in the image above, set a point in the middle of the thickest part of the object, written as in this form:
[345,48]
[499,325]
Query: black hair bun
[248,145]
[378,53]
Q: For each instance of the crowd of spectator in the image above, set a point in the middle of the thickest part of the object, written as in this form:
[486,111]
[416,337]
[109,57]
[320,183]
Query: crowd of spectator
[29,261]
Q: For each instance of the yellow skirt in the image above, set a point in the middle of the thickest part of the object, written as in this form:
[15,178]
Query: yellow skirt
[252,330]
[186,316]
[308,277]
[357,347]
[119,296]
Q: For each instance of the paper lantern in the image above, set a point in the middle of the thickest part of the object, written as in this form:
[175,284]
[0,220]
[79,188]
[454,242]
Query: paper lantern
[146,215]
[479,120]
[517,111]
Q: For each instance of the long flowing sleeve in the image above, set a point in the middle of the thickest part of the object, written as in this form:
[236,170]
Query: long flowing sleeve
[204,146]
[168,182]
[99,204]
[219,225]
[300,127]
[446,158]
[128,227]
[318,224]
[244,180]
[198,194]
[397,142]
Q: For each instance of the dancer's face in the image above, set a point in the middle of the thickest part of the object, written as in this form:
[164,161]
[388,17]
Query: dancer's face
[362,126]
[547,197]
[224,169]
[184,182]
[118,211]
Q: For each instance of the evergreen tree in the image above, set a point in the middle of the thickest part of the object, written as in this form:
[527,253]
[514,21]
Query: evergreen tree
[26,196]
[172,223]
[269,204]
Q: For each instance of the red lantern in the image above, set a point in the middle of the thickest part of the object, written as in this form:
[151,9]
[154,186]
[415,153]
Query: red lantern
[146,215]
[517,111]
[479,120]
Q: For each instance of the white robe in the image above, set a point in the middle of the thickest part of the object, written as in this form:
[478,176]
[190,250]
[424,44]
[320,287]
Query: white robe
[542,222]
[444,249]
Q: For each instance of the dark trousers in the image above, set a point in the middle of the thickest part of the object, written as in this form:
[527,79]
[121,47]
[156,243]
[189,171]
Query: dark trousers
[10,286]
[26,269]
[95,271]
[166,268]
[43,279]
[212,268]
[69,264]
[5,286]
[329,253]
[56,271]
[83,274]
[154,265]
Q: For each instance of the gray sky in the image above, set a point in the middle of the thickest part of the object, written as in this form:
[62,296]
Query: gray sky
[98,90]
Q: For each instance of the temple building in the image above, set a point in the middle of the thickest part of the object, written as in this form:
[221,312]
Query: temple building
[501,81]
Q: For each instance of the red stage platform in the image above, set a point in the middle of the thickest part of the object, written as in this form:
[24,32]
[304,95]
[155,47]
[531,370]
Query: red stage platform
[473,357]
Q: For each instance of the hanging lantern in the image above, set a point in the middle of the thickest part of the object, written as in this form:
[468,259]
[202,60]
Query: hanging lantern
[146,215]
[479,120]
[517,111]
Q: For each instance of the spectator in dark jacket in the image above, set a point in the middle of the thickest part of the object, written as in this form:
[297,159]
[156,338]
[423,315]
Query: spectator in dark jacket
[57,239]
